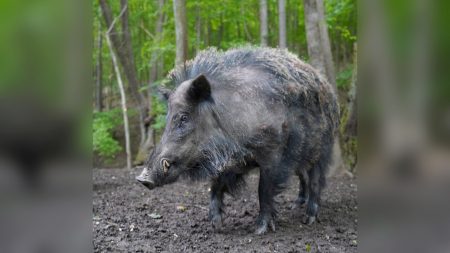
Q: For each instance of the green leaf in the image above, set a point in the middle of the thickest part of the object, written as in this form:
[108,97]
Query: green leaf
[308,248]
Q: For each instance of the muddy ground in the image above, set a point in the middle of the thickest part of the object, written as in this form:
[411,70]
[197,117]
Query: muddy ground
[129,218]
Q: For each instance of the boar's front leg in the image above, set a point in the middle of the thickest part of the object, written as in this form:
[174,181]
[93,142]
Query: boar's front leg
[270,184]
[215,206]
[229,182]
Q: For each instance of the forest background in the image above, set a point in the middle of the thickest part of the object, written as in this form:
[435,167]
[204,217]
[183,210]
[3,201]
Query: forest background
[136,43]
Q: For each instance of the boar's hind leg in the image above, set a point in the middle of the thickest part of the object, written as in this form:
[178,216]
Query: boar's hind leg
[316,184]
[303,188]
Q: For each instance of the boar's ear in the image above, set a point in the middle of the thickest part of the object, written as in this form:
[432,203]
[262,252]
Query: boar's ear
[164,93]
[199,90]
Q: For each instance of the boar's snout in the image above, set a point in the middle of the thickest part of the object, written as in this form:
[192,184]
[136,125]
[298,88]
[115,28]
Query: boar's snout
[144,179]
[149,184]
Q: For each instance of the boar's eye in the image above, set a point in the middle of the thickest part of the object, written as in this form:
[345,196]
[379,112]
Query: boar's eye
[183,120]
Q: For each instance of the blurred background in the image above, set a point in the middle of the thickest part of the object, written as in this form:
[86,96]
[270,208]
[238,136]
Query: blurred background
[69,69]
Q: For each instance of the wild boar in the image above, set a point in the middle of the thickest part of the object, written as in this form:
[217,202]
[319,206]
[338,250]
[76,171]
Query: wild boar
[244,108]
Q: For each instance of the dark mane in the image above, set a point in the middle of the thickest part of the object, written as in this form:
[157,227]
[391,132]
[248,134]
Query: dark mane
[216,63]
[285,77]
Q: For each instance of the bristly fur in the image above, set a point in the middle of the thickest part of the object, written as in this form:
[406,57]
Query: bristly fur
[217,156]
[250,107]
[220,154]
[299,83]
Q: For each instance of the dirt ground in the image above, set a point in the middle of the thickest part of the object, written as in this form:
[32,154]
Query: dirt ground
[129,218]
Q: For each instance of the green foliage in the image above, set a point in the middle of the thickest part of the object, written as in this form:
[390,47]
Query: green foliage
[104,124]
[223,24]
[344,78]
[341,18]
[159,110]
[342,27]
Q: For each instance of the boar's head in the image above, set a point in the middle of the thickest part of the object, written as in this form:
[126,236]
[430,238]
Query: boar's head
[190,123]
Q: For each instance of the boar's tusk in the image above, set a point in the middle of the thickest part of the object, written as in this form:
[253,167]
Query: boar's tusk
[165,165]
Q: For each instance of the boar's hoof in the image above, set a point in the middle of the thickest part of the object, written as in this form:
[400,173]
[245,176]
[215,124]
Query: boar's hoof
[299,202]
[216,221]
[263,226]
[308,220]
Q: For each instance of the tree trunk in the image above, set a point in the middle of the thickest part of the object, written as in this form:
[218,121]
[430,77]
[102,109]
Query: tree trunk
[149,142]
[220,34]
[99,72]
[344,53]
[125,56]
[198,27]
[156,54]
[337,51]
[295,44]
[264,27]
[313,35]
[326,46]
[319,49]
[351,126]
[123,100]
[126,38]
[135,84]
[282,23]
[320,57]
[209,33]
[248,35]
[179,9]
[122,46]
